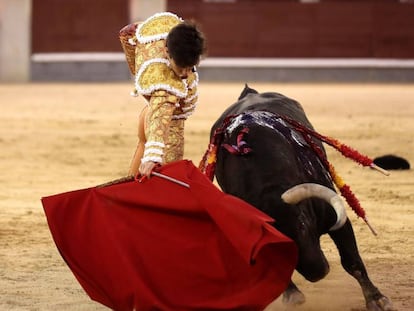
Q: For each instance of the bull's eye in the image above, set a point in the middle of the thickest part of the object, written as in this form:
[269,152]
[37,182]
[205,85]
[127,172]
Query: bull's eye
[302,226]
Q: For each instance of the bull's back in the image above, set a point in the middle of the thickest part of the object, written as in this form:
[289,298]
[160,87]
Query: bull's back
[279,159]
[269,101]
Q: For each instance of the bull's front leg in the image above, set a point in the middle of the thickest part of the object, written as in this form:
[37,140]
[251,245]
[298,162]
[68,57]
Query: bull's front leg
[345,241]
[292,295]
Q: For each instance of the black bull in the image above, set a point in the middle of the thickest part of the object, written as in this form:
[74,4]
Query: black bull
[258,160]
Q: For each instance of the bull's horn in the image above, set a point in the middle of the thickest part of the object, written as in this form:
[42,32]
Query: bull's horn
[308,190]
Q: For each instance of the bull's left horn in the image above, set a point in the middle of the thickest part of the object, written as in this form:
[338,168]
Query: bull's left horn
[308,190]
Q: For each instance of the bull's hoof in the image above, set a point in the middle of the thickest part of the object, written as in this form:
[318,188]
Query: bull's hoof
[382,304]
[293,297]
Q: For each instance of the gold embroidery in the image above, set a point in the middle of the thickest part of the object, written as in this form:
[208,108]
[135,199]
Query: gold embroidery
[192,79]
[158,25]
[158,76]
[161,129]
[175,147]
[144,52]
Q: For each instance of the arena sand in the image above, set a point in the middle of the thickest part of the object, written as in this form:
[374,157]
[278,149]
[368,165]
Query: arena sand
[61,137]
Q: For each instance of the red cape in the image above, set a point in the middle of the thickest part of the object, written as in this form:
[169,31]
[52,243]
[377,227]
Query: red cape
[157,245]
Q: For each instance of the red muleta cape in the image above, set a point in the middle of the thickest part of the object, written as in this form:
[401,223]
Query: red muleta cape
[158,245]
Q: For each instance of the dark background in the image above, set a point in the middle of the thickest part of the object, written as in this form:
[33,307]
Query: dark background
[241,28]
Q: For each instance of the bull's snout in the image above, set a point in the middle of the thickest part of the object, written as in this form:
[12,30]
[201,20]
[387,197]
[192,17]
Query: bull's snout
[314,270]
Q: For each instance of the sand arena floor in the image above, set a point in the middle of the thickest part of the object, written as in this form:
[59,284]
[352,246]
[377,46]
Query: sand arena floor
[61,137]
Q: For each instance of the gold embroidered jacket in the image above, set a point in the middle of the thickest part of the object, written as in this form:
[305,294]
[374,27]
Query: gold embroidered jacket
[171,100]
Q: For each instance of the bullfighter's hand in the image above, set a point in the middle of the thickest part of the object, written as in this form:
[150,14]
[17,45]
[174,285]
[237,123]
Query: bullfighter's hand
[146,168]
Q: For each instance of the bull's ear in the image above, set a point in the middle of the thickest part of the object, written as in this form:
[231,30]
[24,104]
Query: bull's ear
[247,90]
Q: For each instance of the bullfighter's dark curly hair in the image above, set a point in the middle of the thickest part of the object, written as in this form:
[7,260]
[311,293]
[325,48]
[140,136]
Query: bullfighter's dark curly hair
[186,44]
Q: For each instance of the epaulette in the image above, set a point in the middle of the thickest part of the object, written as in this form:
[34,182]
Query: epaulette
[155,74]
[157,27]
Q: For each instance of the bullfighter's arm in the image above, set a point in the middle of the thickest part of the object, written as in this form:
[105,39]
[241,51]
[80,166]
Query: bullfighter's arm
[158,119]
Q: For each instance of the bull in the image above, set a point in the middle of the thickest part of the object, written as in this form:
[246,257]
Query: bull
[265,161]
